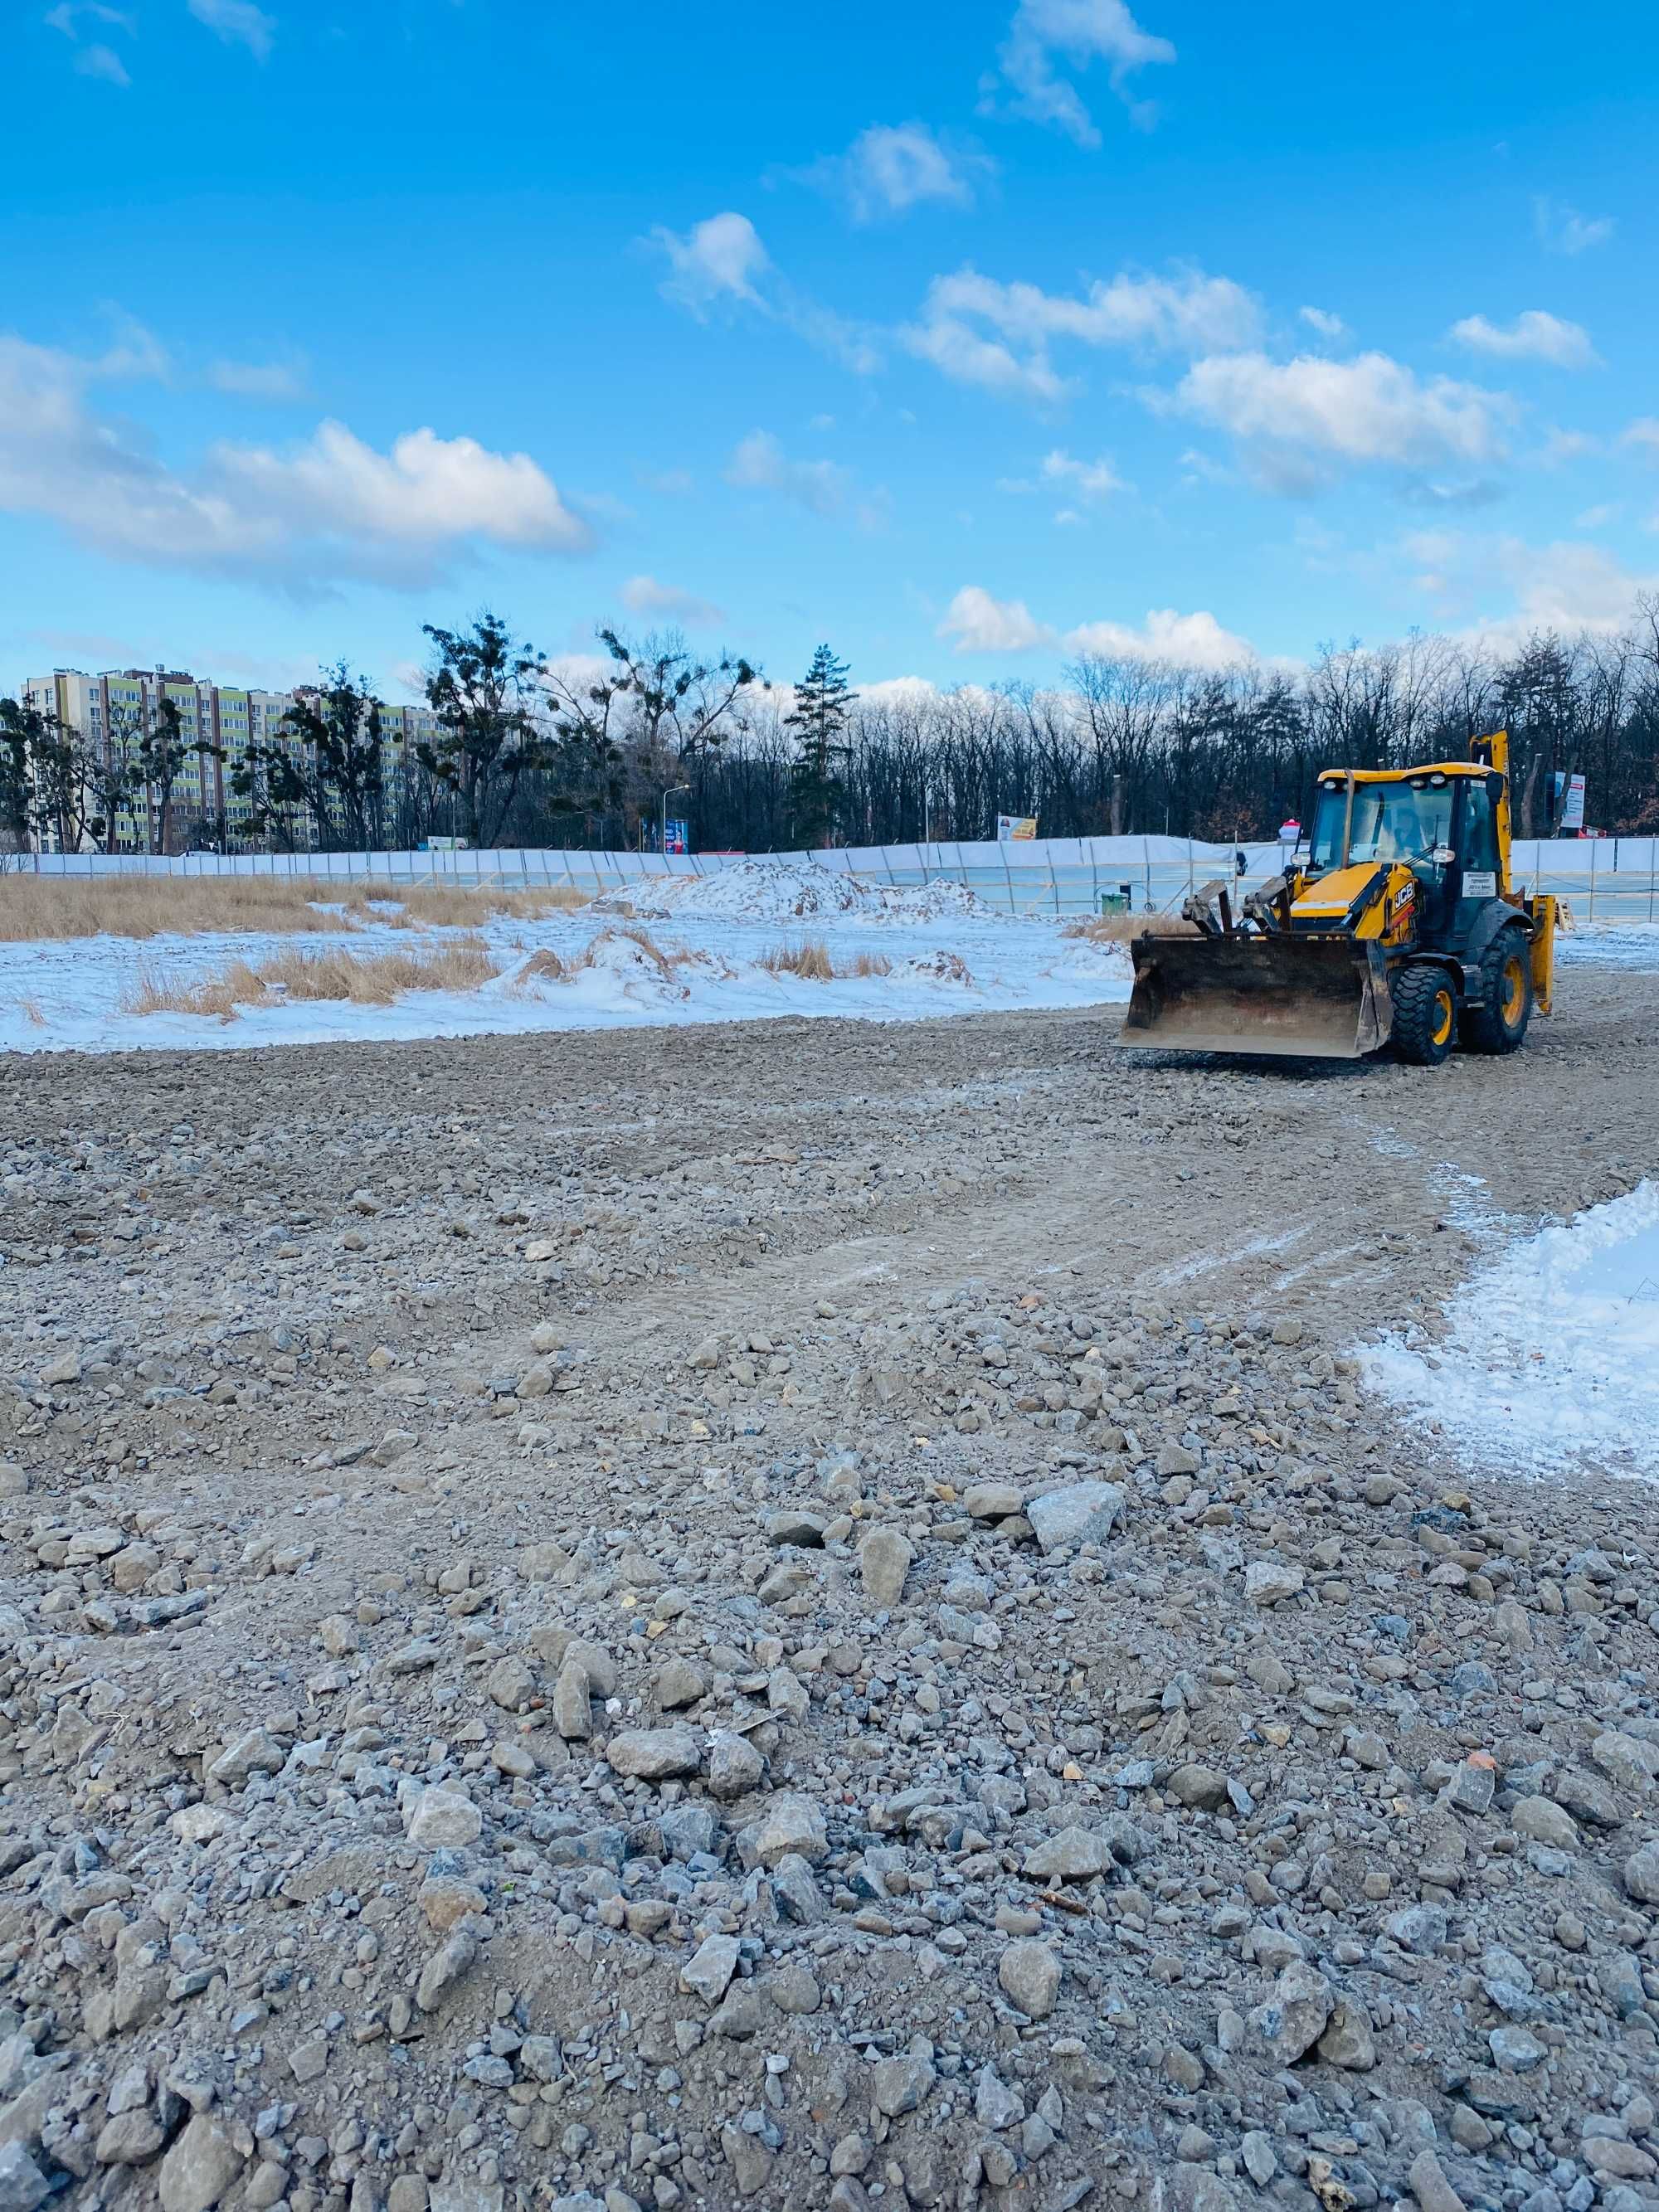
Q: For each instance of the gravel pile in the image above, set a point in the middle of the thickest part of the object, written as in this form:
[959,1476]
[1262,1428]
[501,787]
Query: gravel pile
[586,1630]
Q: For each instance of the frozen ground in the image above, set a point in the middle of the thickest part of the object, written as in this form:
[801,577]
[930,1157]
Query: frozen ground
[1550,1363]
[1633,944]
[944,953]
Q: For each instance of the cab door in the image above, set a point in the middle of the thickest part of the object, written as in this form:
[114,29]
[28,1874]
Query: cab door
[1474,838]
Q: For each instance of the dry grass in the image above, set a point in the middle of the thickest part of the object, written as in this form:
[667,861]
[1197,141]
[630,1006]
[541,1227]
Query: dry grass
[452,906]
[810,960]
[871,964]
[30,1009]
[1124,928]
[35,907]
[337,975]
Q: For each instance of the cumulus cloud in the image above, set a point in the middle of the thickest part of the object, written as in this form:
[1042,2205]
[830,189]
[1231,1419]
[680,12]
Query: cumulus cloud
[1086,480]
[1298,422]
[644,595]
[1568,584]
[1195,641]
[1643,434]
[1046,34]
[976,622]
[723,260]
[1533,335]
[760,464]
[329,506]
[999,336]
[238,23]
[716,260]
[1563,230]
[892,168]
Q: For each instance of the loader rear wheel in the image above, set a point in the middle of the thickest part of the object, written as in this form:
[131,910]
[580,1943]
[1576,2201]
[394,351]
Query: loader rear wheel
[1425,1014]
[1496,1017]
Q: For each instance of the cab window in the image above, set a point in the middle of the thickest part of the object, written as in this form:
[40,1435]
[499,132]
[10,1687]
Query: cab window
[1480,829]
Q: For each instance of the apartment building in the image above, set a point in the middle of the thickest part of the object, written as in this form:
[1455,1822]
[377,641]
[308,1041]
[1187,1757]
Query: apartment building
[218,723]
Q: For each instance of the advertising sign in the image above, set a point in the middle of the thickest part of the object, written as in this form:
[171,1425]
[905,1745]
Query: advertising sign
[1572,811]
[1011,826]
[676,835]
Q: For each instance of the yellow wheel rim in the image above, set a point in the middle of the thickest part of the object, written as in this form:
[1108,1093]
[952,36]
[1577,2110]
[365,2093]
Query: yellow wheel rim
[1445,1014]
[1514,991]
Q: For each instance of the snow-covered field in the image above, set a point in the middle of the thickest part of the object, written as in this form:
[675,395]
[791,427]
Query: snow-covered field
[1633,944]
[943,952]
[1550,1361]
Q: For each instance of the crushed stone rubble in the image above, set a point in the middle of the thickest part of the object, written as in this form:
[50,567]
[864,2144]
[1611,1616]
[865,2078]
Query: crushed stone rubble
[531,1678]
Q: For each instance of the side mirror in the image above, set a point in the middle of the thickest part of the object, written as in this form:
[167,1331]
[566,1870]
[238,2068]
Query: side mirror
[1442,856]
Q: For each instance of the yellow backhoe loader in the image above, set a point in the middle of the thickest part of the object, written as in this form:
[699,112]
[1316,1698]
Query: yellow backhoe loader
[1400,928]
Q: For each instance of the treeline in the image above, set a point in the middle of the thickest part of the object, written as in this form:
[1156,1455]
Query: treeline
[530,751]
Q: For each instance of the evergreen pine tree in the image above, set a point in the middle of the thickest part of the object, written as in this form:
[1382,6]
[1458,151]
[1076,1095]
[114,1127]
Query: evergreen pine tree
[817,723]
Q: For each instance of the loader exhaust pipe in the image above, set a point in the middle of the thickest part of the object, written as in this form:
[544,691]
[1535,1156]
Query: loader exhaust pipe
[1316,997]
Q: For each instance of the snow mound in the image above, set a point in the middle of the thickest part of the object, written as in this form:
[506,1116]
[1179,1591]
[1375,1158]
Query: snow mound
[789,891]
[616,966]
[940,967]
[1551,1358]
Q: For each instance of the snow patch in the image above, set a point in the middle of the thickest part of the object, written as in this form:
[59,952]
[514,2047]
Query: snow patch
[1550,1361]
[784,890]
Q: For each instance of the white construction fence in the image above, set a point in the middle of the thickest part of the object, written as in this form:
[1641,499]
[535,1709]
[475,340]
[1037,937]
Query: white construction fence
[1606,880]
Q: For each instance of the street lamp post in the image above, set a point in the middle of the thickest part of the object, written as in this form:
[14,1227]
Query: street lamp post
[673,790]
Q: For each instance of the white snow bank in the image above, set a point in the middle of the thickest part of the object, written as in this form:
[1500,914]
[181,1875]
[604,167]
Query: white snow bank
[1630,944]
[786,890]
[1550,1363]
[560,973]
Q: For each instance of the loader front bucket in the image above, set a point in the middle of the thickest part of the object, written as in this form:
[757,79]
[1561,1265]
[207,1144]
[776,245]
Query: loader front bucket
[1318,997]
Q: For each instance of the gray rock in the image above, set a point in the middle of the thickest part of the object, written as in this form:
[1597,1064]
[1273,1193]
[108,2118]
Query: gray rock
[735,1767]
[1295,2017]
[792,1826]
[449,1963]
[1074,1855]
[22,2184]
[201,2166]
[1273,1581]
[885,1558]
[1030,1976]
[1199,1787]
[902,2083]
[1515,2051]
[993,1501]
[707,1973]
[1642,1873]
[1542,1821]
[655,1754]
[1082,1513]
[995,2105]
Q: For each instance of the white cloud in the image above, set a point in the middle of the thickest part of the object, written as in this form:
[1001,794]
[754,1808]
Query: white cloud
[426,491]
[1327,324]
[1569,585]
[1297,421]
[1090,480]
[1078,32]
[1195,640]
[238,22]
[331,506]
[644,595]
[977,330]
[718,258]
[892,168]
[722,259]
[104,64]
[1644,433]
[276,380]
[1562,230]
[1533,335]
[978,623]
[760,464]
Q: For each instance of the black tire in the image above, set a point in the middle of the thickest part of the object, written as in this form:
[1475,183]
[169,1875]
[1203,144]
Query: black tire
[1424,1013]
[1496,1017]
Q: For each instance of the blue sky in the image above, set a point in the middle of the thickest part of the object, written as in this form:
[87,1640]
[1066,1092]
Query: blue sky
[963,337]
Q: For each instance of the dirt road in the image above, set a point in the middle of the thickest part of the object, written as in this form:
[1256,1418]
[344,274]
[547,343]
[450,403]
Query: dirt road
[441,1601]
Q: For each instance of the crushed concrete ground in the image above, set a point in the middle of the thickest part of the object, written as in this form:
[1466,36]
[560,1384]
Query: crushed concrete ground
[807,1616]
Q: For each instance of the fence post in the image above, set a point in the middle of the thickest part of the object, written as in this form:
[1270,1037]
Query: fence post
[1007,871]
[1594,841]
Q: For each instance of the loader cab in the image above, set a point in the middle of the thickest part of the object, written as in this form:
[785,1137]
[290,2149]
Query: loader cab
[1413,817]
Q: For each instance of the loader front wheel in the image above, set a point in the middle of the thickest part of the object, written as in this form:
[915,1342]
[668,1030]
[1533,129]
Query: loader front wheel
[1496,1017]
[1425,1014]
